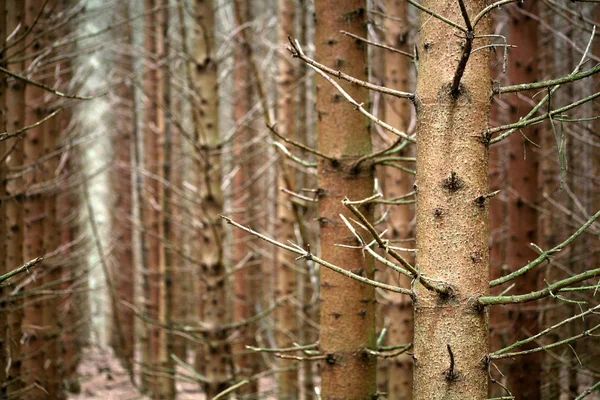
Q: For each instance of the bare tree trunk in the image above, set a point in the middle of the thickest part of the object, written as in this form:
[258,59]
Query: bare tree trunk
[35,345]
[125,125]
[347,306]
[524,374]
[150,201]
[165,382]
[451,335]
[398,183]
[218,355]
[244,279]
[4,266]
[15,119]
[286,330]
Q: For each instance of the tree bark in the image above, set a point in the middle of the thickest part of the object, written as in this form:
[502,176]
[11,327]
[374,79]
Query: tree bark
[524,374]
[287,329]
[217,359]
[125,125]
[15,119]
[347,306]
[451,335]
[398,183]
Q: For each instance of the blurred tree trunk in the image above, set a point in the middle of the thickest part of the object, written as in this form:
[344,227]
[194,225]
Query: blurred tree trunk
[165,382]
[451,336]
[244,251]
[150,201]
[15,119]
[524,374]
[347,306]
[35,346]
[218,355]
[4,266]
[398,183]
[125,124]
[287,327]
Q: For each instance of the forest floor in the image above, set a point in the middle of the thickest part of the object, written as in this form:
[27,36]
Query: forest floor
[103,378]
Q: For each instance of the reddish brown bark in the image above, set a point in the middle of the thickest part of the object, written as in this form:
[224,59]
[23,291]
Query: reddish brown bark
[451,335]
[347,306]
[398,183]
[523,374]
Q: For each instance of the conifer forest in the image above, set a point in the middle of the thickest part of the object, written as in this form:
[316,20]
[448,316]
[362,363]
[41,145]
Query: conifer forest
[300,199]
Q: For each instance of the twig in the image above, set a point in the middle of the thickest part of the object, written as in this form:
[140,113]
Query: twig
[8,135]
[539,85]
[380,45]
[297,52]
[48,88]
[307,255]
[545,255]
[24,267]
[462,64]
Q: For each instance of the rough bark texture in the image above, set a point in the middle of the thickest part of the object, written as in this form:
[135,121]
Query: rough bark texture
[15,119]
[347,307]
[287,330]
[451,336]
[398,183]
[524,374]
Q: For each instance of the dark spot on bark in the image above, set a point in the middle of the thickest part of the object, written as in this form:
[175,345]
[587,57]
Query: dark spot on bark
[330,359]
[453,182]
[437,212]
[476,257]
[336,315]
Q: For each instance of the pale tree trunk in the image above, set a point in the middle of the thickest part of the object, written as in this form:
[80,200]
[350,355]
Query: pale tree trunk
[524,374]
[347,306]
[34,349]
[124,267]
[149,202]
[217,359]
[245,284]
[286,329]
[451,334]
[15,119]
[305,131]
[398,183]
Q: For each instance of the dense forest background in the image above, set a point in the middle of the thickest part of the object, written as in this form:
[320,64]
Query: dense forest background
[293,199]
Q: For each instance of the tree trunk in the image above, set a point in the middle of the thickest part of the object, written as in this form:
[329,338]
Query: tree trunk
[124,267]
[4,266]
[451,335]
[245,282]
[524,374]
[35,345]
[15,119]
[347,306]
[150,201]
[218,355]
[286,331]
[398,183]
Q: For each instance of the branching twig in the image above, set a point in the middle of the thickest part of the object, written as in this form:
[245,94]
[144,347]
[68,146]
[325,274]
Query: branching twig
[24,267]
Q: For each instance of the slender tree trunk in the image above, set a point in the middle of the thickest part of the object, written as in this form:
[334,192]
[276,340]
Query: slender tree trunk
[150,200]
[125,125]
[34,349]
[218,354]
[15,119]
[451,336]
[347,306]
[244,280]
[165,382]
[524,374]
[398,183]
[4,266]
[286,331]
